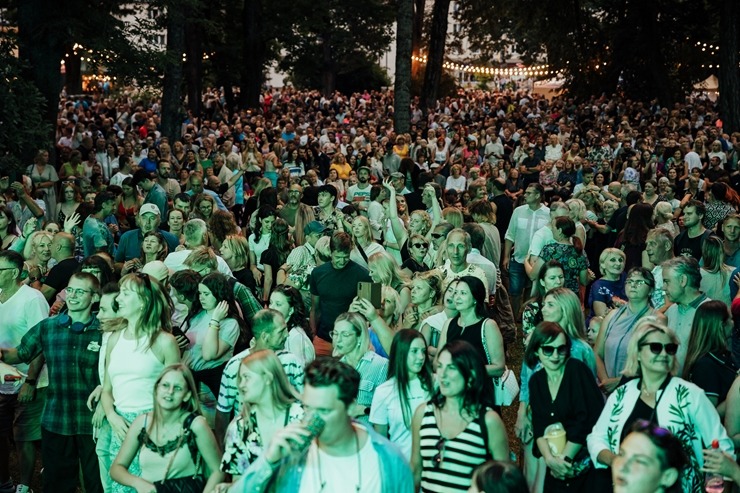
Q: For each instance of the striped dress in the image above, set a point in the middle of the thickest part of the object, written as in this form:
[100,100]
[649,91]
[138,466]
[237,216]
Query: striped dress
[460,455]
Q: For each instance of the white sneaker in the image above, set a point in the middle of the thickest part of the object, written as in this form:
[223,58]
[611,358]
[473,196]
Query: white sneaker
[22,488]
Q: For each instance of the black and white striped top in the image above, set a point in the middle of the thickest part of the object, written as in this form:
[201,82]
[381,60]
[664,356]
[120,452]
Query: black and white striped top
[460,456]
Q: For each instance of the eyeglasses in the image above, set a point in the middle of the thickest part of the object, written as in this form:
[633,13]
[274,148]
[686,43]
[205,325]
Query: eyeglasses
[419,245]
[437,236]
[636,282]
[439,456]
[341,335]
[656,347]
[549,350]
[76,291]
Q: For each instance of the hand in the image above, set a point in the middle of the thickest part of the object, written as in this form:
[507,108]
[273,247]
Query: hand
[19,189]
[98,416]
[113,228]
[505,263]
[29,227]
[388,186]
[257,276]
[132,265]
[591,275]
[94,397]
[222,488]
[180,248]
[118,425]
[717,462]
[143,486]
[559,468]
[220,312]
[364,308]
[27,393]
[70,222]
[617,301]
[182,342]
[57,307]
[8,370]
[610,384]
[736,279]
[523,427]
[284,441]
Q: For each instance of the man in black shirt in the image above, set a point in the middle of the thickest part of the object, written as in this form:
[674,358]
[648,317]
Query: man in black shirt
[688,243]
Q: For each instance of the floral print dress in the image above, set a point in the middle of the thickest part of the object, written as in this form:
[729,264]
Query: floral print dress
[243,443]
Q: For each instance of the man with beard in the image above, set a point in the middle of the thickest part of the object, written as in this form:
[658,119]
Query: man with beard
[359,194]
[170,185]
[689,242]
[296,213]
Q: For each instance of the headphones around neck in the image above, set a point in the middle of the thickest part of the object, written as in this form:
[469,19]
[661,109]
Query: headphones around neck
[65,321]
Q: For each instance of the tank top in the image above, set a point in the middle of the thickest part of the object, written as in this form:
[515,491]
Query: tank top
[459,455]
[471,334]
[154,458]
[133,370]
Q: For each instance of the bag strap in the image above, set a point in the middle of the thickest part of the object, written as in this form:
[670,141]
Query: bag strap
[483,340]
[186,432]
[172,459]
[362,252]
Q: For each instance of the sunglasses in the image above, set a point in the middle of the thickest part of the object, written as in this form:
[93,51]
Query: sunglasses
[437,236]
[439,456]
[656,347]
[419,245]
[549,350]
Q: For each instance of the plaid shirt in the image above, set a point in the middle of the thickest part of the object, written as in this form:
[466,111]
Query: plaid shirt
[72,360]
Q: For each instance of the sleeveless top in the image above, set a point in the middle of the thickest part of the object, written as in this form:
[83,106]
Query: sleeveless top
[133,369]
[154,458]
[471,334]
[617,336]
[459,455]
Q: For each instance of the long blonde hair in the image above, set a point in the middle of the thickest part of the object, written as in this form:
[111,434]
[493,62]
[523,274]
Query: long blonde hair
[191,405]
[266,363]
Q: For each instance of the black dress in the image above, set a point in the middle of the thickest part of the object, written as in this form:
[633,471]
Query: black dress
[577,406]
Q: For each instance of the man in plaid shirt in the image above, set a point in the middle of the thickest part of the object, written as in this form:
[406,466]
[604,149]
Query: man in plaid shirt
[70,342]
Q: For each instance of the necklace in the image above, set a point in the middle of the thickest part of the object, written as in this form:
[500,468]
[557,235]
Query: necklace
[322,483]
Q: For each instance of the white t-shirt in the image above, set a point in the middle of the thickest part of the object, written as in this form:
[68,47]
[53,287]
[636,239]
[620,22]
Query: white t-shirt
[386,410]
[25,309]
[330,474]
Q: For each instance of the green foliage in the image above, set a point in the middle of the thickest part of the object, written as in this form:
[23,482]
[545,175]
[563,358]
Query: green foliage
[22,127]
[333,37]
[644,49]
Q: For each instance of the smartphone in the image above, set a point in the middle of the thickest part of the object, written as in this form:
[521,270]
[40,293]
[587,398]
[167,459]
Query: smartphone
[370,291]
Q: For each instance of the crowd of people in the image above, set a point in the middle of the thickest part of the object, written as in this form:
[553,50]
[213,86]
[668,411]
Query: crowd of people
[300,298]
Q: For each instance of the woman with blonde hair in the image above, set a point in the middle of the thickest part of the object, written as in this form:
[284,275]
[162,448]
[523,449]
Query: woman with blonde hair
[578,215]
[135,356]
[715,273]
[608,291]
[453,215]
[172,441]
[351,341]
[37,253]
[663,218]
[365,245]
[235,252]
[658,396]
[426,291]
[384,269]
[269,403]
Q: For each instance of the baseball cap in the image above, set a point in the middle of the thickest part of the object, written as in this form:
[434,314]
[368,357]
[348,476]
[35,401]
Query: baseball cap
[149,208]
[313,227]
[397,174]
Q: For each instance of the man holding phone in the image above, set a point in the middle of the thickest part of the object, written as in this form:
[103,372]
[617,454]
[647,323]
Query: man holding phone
[333,287]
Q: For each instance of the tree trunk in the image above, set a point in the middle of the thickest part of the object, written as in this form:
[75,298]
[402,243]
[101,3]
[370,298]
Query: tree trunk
[194,66]
[254,46]
[402,87]
[328,73]
[729,79]
[416,35]
[44,52]
[435,58]
[73,73]
[172,86]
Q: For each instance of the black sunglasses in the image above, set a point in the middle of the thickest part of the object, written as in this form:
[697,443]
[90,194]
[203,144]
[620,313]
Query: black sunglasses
[656,347]
[419,245]
[548,350]
[439,456]
[437,236]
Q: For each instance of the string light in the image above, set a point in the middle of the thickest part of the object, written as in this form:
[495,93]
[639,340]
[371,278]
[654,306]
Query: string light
[535,70]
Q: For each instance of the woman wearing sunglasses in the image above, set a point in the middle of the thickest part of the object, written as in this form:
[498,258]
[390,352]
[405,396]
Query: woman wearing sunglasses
[456,431]
[563,391]
[655,395]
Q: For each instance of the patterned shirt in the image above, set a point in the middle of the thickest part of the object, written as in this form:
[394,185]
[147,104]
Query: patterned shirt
[72,360]
[227,393]
[373,370]
[301,261]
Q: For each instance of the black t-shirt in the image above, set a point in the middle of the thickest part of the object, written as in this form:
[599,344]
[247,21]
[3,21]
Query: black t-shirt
[714,374]
[59,275]
[336,289]
[689,247]
[504,211]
